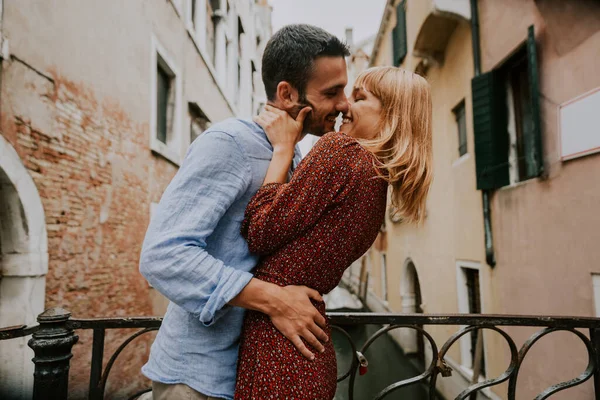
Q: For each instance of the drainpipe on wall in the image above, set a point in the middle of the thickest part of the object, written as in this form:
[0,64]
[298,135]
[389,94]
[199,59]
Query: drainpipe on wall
[485,194]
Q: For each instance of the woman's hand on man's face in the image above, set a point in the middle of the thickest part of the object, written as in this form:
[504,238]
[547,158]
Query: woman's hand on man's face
[283,131]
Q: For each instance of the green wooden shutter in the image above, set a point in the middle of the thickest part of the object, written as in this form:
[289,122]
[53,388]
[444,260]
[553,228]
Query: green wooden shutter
[490,129]
[399,35]
[534,162]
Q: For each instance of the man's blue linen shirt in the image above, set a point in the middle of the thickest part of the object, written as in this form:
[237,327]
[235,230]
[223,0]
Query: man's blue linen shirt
[194,254]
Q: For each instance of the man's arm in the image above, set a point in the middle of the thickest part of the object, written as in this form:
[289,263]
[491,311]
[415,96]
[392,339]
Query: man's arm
[174,259]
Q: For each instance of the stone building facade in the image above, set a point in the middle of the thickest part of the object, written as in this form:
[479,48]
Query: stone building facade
[535,165]
[98,104]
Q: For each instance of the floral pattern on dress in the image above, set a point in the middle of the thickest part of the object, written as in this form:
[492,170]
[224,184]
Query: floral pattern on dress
[307,231]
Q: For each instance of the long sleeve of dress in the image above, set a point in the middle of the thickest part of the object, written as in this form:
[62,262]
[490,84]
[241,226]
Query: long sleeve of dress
[278,213]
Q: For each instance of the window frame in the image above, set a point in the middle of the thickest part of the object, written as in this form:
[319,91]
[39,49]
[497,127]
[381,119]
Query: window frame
[461,107]
[494,121]
[466,346]
[384,278]
[596,293]
[399,35]
[516,80]
[194,111]
[172,149]
[197,23]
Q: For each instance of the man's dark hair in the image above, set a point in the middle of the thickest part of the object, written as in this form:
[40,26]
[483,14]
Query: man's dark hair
[290,54]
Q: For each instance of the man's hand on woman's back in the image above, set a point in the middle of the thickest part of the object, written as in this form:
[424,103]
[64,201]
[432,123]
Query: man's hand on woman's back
[290,310]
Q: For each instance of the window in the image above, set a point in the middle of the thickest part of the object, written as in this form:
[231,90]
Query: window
[166,89]
[211,7]
[193,5]
[253,94]
[200,24]
[596,286]
[199,122]
[461,124]
[506,121]
[193,9]
[384,294]
[399,34]
[472,278]
[165,103]
[365,272]
[240,40]
[520,119]
[469,301]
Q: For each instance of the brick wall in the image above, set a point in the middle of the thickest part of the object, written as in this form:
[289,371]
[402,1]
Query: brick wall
[96,177]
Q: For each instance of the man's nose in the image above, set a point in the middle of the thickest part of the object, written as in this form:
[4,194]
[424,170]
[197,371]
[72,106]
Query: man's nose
[344,105]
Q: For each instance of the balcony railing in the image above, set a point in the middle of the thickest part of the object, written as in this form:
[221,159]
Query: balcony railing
[54,336]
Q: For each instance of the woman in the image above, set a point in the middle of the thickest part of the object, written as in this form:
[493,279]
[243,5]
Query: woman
[308,231]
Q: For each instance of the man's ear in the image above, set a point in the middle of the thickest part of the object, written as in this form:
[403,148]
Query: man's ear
[287,95]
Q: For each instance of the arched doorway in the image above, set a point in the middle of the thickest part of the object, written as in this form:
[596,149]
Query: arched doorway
[410,291]
[23,268]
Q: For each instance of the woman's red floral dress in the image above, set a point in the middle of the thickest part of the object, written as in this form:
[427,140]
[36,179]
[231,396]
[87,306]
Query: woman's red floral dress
[308,232]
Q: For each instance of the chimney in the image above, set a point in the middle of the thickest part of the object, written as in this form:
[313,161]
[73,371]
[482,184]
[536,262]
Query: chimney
[349,37]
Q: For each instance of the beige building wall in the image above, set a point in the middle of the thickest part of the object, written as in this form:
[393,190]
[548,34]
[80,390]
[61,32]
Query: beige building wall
[452,234]
[544,230]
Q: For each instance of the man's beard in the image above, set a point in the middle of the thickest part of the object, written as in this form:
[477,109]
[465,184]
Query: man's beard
[310,123]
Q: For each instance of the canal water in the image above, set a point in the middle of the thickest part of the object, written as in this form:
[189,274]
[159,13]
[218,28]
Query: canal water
[387,365]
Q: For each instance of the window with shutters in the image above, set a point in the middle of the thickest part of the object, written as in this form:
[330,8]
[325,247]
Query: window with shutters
[506,121]
[520,120]
[399,34]
[461,127]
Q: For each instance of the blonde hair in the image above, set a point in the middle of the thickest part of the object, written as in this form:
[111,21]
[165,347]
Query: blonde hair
[404,144]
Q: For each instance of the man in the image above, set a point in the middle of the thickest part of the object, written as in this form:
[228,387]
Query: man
[194,253]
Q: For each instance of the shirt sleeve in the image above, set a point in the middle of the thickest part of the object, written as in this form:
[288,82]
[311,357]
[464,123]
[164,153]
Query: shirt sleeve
[280,212]
[174,259]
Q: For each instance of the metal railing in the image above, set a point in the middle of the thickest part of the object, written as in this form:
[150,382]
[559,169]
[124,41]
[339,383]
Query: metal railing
[54,337]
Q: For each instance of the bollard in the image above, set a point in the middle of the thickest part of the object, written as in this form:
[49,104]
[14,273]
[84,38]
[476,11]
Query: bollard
[52,345]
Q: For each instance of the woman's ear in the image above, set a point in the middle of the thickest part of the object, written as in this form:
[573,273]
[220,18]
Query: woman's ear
[287,95]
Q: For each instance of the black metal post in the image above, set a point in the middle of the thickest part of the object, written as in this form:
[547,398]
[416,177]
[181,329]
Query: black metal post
[52,345]
[96,369]
[595,339]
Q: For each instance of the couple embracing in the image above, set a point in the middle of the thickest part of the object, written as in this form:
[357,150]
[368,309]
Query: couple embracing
[246,238]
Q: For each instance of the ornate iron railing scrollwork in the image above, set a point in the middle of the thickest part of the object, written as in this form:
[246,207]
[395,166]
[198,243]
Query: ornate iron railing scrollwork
[355,361]
[102,383]
[419,378]
[488,382]
[584,376]
[55,335]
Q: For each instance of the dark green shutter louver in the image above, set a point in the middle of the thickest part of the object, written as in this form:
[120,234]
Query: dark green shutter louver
[490,129]
[534,163]
[399,35]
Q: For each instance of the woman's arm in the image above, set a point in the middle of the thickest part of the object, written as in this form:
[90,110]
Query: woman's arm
[284,132]
[278,212]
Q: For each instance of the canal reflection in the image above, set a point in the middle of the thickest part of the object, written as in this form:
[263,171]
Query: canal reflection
[387,364]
